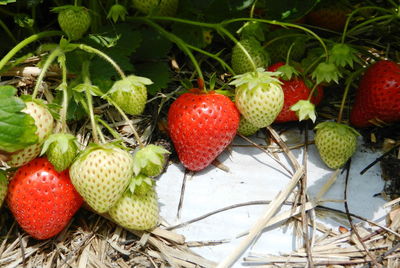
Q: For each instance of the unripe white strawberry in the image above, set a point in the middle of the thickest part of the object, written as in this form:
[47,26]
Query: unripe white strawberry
[336,143]
[101,174]
[130,94]
[246,128]
[44,123]
[137,209]
[259,97]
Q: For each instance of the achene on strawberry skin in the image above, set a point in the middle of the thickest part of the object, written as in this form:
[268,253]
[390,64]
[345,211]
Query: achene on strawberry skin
[201,126]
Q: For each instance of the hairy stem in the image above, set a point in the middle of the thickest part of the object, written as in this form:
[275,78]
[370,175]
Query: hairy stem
[24,43]
[53,55]
[103,55]
[64,86]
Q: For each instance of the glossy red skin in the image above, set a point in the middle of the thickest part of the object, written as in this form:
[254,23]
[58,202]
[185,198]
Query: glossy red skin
[378,95]
[294,90]
[42,200]
[201,126]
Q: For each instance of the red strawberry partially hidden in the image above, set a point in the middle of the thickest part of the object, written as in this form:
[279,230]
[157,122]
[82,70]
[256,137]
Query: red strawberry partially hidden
[294,90]
[378,95]
[201,126]
[42,200]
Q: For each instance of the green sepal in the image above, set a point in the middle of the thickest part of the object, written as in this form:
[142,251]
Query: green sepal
[326,72]
[65,7]
[342,55]
[342,129]
[287,72]
[94,146]
[257,78]
[117,12]
[66,45]
[63,140]
[252,29]
[149,157]
[140,184]
[3,177]
[94,90]
[304,110]
[127,84]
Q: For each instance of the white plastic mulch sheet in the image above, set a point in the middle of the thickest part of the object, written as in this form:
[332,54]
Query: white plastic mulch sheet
[254,176]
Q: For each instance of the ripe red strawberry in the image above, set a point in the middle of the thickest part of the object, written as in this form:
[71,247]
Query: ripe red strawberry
[201,126]
[42,200]
[73,20]
[378,95]
[294,90]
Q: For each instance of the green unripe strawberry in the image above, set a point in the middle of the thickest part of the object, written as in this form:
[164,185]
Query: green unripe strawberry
[241,62]
[246,128]
[137,209]
[336,143]
[259,97]
[3,187]
[157,7]
[101,174]
[73,20]
[61,150]
[130,94]
[149,160]
[44,123]
[280,41]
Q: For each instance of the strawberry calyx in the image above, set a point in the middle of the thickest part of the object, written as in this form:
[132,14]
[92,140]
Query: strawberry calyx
[128,84]
[304,110]
[140,185]
[63,140]
[107,147]
[326,72]
[149,160]
[342,55]
[340,128]
[258,78]
[68,7]
[116,12]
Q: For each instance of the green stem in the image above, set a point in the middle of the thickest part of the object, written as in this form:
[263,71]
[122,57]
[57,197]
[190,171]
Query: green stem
[64,107]
[76,3]
[215,57]
[179,42]
[123,114]
[7,30]
[52,56]
[218,26]
[309,67]
[253,6]
[24,43]
[358,26]
[222,29]
[312,92]
[346,91]
[114,133]
[89,98]
[284,24]
[350,16]
[288,53]
[103,55]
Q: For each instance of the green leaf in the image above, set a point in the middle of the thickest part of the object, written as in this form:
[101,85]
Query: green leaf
[24,21]
[158,72]
[153,46]
[304,110]
[17,129]
[193,35]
